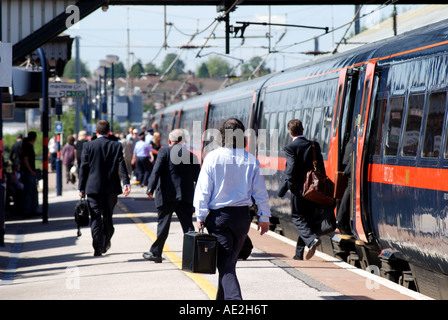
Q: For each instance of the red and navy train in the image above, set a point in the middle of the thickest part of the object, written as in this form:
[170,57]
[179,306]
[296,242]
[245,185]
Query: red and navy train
[387,103]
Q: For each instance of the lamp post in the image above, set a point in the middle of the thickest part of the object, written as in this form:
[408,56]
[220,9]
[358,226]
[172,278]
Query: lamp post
[104,64]
[100,73]
[112,59]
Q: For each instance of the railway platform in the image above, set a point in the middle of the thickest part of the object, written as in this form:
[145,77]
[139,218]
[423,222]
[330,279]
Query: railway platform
[47,261]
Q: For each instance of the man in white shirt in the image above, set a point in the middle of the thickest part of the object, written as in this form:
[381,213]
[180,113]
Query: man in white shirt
[229,179]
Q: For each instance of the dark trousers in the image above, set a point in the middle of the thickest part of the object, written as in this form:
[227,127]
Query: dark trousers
[101,209]
[302,212]
[230,225]
[143,170]
[30,194]
[184,212]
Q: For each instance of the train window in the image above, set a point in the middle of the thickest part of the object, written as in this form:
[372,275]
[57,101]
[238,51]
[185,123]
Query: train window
[394,128]
[325,145]
[306,121]
[271,135]
[413,124]
[281,129]
[338,107]
[316,125]
[378,123]
[432,141]
[298,115]
[264,141]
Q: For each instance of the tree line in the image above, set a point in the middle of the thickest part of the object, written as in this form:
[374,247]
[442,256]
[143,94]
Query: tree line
[214,67]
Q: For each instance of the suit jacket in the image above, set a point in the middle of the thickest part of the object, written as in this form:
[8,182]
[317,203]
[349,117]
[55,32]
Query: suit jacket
[174,175]
[102,163]
[299,160]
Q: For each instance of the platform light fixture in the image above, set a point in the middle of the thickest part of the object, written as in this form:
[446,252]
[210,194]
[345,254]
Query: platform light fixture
[112,59]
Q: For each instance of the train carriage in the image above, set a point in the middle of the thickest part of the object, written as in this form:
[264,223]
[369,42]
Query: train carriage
[385,103]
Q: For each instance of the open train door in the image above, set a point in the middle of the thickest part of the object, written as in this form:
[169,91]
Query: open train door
[360,147]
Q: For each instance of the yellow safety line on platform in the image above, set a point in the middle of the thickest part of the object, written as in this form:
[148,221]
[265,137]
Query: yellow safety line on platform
[203,283]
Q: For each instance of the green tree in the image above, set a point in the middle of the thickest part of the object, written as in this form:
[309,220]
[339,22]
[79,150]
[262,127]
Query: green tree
[151,68]
[248,68]
[218,67]
[70,69]
[202,71]
[136,69]
[176,70]
[119,70]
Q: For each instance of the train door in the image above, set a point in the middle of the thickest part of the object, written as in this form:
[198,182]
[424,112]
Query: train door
[341,143]
[367,81]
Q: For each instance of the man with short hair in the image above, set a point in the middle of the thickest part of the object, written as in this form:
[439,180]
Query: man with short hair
[102,164]
[173,179]
[299,160]
[229,182]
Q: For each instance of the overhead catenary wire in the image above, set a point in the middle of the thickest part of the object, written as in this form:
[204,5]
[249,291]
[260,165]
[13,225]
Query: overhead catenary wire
[267,55]
[217,22]
[349,26]
[387,3]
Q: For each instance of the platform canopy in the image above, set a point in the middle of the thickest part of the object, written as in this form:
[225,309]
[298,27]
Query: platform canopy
[30,24]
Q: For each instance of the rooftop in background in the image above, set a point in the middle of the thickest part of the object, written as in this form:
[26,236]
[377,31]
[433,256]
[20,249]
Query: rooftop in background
[407,21]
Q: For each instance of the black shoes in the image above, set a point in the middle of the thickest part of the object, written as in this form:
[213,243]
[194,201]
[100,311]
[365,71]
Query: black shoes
[99,252]
[312,248]
[149,256]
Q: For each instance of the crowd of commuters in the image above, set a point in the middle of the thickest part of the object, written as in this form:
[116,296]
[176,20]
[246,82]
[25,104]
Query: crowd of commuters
[220,191]
[22,175]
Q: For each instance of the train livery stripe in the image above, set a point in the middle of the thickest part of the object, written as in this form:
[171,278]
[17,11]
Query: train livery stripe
[276,163]
[273,163]
[415,177]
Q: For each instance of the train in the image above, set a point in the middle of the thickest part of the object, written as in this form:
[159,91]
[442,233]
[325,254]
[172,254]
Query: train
[385,103]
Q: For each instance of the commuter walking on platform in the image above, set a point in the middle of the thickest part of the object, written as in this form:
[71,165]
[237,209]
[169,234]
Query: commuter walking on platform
[229,179]
[143,160]
[102,164]
[82,138]
[68,158]
[173,179]
[29,175]
[299,160]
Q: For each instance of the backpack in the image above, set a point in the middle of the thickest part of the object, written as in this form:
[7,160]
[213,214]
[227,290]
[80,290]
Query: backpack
[81,214]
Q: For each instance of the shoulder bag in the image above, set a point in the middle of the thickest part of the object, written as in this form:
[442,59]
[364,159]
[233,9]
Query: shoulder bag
[317,187]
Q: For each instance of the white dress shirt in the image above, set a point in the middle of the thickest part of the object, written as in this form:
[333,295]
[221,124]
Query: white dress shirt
[229,178]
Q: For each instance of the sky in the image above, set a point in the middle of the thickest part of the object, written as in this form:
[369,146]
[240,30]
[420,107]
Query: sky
[102,33]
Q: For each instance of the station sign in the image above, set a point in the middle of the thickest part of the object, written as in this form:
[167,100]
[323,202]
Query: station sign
[66,90]
[58,127]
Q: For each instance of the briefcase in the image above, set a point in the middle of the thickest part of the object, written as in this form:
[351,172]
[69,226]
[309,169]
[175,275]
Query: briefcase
[199,253]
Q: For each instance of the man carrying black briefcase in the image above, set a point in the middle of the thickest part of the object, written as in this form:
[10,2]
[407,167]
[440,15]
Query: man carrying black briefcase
[229,179]
[199,252]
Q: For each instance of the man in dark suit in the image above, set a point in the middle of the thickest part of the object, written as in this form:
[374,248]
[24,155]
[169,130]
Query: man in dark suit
[299,160]
[173,178]
[102,164]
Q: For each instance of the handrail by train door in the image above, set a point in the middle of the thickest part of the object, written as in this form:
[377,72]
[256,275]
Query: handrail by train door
[204,128]
[250,146]
[335,141]
[358,154]
[176,119]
